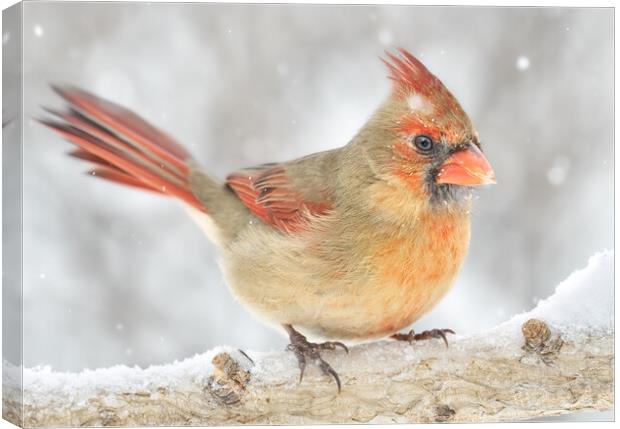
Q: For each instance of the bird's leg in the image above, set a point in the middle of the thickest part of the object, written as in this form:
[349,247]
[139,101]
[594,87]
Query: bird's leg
[304,349]
[425,335]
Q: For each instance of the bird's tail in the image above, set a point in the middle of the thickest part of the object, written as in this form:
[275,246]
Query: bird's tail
[123,147]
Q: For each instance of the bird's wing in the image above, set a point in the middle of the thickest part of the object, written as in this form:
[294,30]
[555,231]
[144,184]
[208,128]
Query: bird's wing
[284,195]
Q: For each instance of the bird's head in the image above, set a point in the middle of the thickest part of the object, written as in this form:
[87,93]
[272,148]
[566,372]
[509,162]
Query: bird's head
[427,141]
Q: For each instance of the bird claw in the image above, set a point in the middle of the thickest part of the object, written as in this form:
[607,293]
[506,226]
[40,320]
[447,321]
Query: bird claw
[304,349]
[328,370]
[425,335]
[246,356]
[331,345]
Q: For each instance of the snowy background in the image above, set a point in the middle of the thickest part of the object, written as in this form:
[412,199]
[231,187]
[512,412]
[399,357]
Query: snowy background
[114,276]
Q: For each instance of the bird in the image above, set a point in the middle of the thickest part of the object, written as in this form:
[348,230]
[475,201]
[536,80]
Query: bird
[347,245]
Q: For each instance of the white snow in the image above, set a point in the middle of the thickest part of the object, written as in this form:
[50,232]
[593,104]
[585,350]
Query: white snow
[523,63]
[556,175]
[385,37]
[182,374]
[582,303]
[418,103]
[38,30]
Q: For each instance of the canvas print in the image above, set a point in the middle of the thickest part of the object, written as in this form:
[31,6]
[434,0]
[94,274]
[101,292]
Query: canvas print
[224,214]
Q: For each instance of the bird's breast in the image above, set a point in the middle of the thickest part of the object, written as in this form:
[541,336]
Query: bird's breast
[349,280]
[413,269]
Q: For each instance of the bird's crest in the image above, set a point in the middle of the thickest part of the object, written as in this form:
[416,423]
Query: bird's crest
[425,96]
[410,75]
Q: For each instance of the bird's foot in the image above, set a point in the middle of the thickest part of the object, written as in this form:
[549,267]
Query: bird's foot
[425,335]
[305,350]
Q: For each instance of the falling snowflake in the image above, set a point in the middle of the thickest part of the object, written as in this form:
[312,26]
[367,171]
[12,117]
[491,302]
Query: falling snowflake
[556,175]
[38,30]
[385,37]
[523,63]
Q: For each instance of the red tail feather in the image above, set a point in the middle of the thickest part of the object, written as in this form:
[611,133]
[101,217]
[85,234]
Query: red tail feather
[125,148]
[115,175]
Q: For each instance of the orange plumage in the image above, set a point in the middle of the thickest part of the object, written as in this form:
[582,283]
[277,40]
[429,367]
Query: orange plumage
[352,244]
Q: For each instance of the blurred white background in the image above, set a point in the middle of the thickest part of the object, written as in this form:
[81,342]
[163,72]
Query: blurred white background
[114,276]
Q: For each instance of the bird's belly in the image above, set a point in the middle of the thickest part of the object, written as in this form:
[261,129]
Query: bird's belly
[409,277]
[398,279]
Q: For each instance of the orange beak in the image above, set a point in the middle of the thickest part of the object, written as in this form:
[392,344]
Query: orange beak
[467,167]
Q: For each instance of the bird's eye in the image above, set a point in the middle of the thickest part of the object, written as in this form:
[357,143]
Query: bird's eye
[423,143]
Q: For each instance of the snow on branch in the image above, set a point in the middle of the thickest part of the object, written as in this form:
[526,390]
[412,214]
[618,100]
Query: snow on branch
[555,359]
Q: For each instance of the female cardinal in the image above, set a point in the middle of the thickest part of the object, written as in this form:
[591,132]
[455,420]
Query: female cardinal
[354,243]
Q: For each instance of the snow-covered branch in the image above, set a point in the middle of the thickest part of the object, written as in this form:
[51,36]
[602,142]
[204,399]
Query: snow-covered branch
[560,362]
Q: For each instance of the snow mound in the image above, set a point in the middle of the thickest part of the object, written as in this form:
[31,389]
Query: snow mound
[585,299]
[191,373]
[582,302]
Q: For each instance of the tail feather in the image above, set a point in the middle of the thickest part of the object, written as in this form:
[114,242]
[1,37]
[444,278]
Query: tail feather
[89,157]
[124,148]
[123,120]
[82,123]
[117,176]
[108,171]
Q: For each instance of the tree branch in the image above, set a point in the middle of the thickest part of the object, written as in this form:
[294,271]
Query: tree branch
[518,370]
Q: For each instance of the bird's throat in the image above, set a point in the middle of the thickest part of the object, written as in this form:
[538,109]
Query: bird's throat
[454,197]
